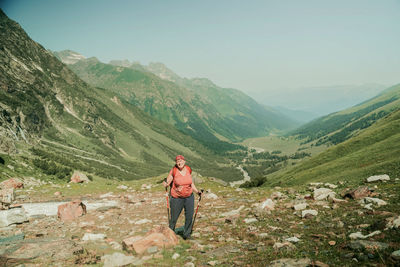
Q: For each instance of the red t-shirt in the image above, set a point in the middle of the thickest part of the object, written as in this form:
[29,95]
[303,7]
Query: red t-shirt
[181,184]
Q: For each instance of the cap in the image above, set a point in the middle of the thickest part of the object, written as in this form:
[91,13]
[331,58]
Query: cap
[179,157]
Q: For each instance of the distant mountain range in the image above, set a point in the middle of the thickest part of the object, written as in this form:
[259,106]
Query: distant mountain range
[198,107]
[340,126]
[319,101]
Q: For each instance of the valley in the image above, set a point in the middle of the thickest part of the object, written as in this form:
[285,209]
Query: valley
[277,192]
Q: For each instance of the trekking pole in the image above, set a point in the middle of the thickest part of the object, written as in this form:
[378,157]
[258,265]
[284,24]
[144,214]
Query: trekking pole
[167,198]
[198,204]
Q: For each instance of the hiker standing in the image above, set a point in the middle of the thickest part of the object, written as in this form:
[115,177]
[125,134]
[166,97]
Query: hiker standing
[182,187]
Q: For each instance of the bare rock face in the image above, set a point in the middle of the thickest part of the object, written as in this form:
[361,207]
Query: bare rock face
[79,177]
[72,210]
[160,236]
[11,183]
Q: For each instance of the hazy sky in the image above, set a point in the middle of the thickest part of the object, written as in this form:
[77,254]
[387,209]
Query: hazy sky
[254,46]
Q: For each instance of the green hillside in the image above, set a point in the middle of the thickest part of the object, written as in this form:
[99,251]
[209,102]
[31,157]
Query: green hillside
[374,151]
[52,122]
[340,126]
[201,109]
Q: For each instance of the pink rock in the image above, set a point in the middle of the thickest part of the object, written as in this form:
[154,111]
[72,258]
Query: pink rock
[160,236]
[11,183]
[57,194]
[79,177]
[359,193]
[72,210]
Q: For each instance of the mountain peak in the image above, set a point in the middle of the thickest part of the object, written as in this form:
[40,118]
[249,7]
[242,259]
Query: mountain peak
[68,56]
[122,63]
[163,72]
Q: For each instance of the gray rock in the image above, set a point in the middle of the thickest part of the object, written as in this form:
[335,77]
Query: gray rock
[290,263]
[300,206]
[363,244]
[93,237]
[323,194]
[396,255]
[119,259]
[305,213]
[375,178]
[8,217]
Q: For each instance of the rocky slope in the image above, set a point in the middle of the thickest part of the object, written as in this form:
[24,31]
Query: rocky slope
[318,224]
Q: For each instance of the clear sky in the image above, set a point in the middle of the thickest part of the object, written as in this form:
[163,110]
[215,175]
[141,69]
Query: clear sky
[254,46]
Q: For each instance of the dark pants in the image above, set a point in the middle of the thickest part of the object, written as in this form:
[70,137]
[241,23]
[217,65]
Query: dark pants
[177,204]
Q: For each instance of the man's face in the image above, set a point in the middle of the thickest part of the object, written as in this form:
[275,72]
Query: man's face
[180,163]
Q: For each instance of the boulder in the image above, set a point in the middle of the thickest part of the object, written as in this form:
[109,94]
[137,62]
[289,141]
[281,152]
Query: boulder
[160,236]
[210,196]
[267,205]
[12,216]
[365,244]
[71,210]
[300,206]
[79,177]
[396,255]
[290,262]
[358,193]
[93,237]
[323,194]
[359,235]
[306,213]
[7,196]
[393,222]
[119,259]
[372,200]
[376,178]
[11,183]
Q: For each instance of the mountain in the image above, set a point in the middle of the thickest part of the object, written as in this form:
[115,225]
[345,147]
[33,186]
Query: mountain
[68,56]
[321,100]
[340,126]
[52,122]
[230,102]
[196,107]
[374,151]
[297,115]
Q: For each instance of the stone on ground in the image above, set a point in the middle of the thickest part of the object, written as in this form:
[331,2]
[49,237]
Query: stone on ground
[359,193]
[290,262]
[323,194]
[71,210]
[375,178]
[78,177]
[301,206]
[359,235]
[7,196]
[305,213]
[12,216]
[396,255]
[160,236]
[365,244]
[93,237]
[119,259]
[11,183]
